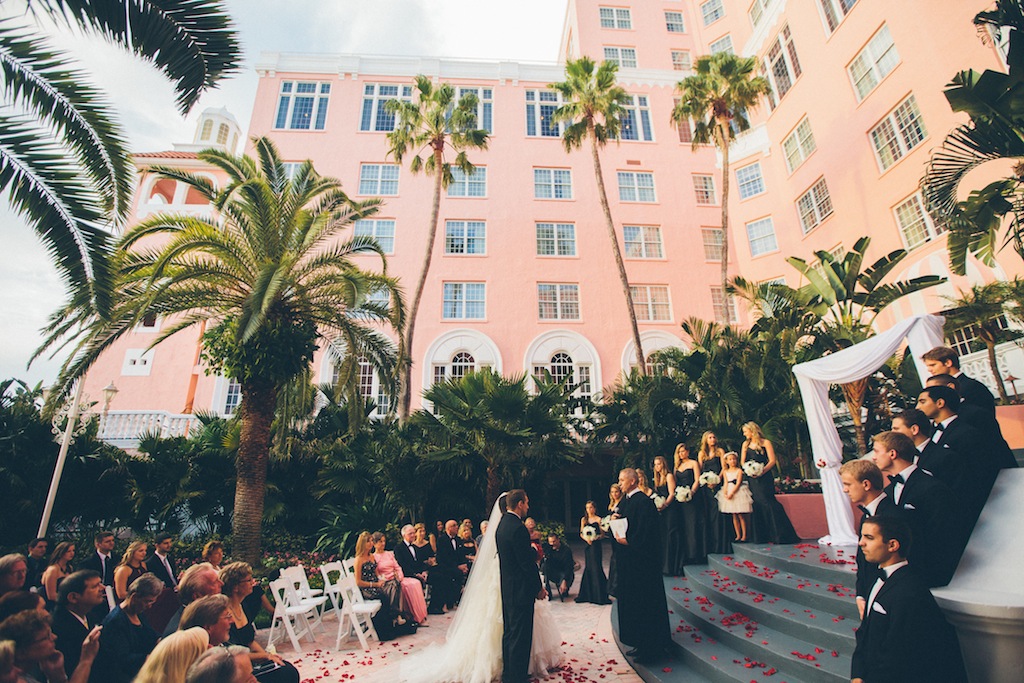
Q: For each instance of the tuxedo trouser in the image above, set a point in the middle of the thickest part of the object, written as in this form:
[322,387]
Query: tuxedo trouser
[516,642]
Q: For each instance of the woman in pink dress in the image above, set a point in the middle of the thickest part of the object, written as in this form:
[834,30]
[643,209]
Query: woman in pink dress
[388,568]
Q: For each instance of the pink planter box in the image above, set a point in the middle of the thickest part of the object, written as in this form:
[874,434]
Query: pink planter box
[807,512]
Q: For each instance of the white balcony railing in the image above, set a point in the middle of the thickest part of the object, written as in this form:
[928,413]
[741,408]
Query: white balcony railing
[125,427]
[1009,358]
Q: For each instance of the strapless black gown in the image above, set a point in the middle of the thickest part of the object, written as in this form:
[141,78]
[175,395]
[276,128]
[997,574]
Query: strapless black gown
[594,585]
[671,533]
[613,574]
[693,548]
[770,524]
[718,528]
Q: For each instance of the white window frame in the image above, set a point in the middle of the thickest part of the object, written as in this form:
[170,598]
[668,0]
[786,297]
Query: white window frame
[556,239]
[232,396]
[558,301]
[799,145]
[642,242]
[761,237]
[380,229]
[757,11]
[457,303]
[138,362]
[713,241]
[873,63]
[674,22]
[750,180]
[833,12]
[378,180]
[465,237]
[473,186]
[723,44]
[681,60]
[814,205]
[624,56]
[711,11]
[781,66]
[633,187]
[704,189]
[553,179]
[287,98]
[723,306]
[895,127]
[373,116]
[923,221]
[484,104]
[637,112]
[537,102]
[651,303]
[618,18]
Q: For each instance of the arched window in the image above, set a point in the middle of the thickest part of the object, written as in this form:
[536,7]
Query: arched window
[462,363]
[222,134]
[561,367]
[369,385]
[207,129]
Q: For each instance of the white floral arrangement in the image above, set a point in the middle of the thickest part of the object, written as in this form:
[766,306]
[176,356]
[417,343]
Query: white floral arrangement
[752,468]
[684,494]
[589,533]
[606,523]
[710,479]
[659,501]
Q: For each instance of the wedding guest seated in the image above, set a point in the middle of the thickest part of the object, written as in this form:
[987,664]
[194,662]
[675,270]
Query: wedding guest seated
[447,574]
[469,547]
[213,552]
[9,673]
[77,599]
[483,530]
[171,658]
[13,572]
[221,665]
[197,581]
[389,568]
[862,482]
[127,638]
[21,601]
[131,567]
[535,539]
[407,554]
[37,561]
[425,549]
[59,567]
[373,587]
[34,651]
[559,566]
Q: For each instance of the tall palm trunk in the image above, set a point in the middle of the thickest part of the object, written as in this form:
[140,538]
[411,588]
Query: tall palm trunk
[494,485]
[853,393]
[256,412]
[405,345]
[641,360]
[990,346]
[721,133]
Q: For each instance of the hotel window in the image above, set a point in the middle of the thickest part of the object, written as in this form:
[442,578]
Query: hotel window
[634,111]
[757,11]
[782,66]
[712,238]
[899,132]
[382,230]
[749,180]
[965,340]
[712,11]
[379,297]
[302,105]
[464,301]
[704,189]
[761,236]
[558,301]
[222,133]
[681,60]
[564,369]
[650,303]
[798,145]
[615,17]
[685,128]
[625,57]
[723,44]
[642,241]
[378,179]
[375,116]
[635,186]
[916,224]
[814,206]
[232,397]
[484,106]
[873,63]
[207,130]
[291,169]
[472,185]
[552,183]
[674,22]
[835,11]
[370,387]
[465,237]
[556,239]
[724,308]
[462,364]
[540,106]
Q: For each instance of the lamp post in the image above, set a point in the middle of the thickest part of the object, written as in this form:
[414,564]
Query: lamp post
[61,458]
[109,392]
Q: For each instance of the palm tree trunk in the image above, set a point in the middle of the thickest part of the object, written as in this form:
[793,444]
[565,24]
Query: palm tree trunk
[641,359]
[994,365]
[405,346]
[854,393]
[256,413]
[493,485]
[723,144]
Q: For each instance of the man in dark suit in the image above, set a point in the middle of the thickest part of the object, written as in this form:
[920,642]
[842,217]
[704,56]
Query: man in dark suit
[862,482]
[559,566]
[932,510]
[405,554]
[943,462]
[160,562]
[520,586]
[102,561]
[642,607]
[447,575]
[944,360]
[77,597]
[903,637]
[37,560]
[980,419]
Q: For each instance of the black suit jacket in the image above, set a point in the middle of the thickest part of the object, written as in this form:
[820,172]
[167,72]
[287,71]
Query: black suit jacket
[70,635]
[991,432]
[904,638]
[154,565]
[975,393]
[520,580]
[448,558]
[409,563]
[983,461]
[937,521]
[93,562]
[867,573]
[945,464]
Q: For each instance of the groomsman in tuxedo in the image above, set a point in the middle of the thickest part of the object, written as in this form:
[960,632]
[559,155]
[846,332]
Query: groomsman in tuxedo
[77,598]
[103,562]
[944,463]
[642,607]
[862,482]
[932,510]
[405,554]
[944,360]
[520,587]
[447,575]
[160,563]
[903,636]
[981,420]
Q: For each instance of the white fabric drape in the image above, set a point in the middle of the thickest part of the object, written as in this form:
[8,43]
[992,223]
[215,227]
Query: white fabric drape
[923,333]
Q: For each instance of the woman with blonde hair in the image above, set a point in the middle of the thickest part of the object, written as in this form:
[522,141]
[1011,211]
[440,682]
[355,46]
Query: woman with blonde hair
[373,587]
[173,655]
[131,567]
[665,488]
[717,527]
[614,500]
[213,552]
[644,484]
[692,546]
[770,522]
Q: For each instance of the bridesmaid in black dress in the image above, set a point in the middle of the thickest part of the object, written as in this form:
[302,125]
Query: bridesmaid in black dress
[770,522]
[671,535]
[689,515]
[718,527]
[614,498]
[593,585]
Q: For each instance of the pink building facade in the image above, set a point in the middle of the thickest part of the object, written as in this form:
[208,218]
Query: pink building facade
[522,275]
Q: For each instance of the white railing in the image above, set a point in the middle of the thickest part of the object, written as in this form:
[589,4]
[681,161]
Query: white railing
[1009,358]
[125,427]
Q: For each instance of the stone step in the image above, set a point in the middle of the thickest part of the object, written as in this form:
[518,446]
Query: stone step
[727,588]
[831,564]
[835,599]
[789,655]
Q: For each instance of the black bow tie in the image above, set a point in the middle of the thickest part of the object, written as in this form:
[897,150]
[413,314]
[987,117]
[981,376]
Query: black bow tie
[897,479]
[864,510]
[939,426]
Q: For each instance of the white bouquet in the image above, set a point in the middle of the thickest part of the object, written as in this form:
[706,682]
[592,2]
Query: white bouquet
[752,468]
[589,533]
[659,501]
[606,523]
[710,479]
[684,494]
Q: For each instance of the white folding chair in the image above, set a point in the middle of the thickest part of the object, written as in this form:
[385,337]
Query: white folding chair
[332,589]
[290,614]
[303,594]
[356,614]
[349,566]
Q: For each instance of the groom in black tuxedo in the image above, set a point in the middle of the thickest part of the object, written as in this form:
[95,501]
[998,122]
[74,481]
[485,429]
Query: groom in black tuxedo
[520,586]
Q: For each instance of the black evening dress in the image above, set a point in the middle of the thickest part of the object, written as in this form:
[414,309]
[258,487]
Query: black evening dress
[594,585]
[671,533]
[770,522]
[613,573]
[692,548]
[717,527]
[264,672]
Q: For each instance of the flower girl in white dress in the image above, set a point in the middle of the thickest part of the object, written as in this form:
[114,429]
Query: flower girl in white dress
[734,497]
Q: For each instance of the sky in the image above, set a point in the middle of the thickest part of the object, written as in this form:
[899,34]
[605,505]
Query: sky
[143,101]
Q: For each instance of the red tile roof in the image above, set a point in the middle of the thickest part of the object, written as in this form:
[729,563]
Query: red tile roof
[166,155]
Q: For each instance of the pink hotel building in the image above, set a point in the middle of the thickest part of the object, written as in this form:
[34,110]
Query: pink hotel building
[522,275]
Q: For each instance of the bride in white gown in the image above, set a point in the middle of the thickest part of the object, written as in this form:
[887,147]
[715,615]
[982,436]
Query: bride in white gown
[471,652]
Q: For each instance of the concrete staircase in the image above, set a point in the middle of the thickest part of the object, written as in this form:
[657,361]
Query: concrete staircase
[764,613]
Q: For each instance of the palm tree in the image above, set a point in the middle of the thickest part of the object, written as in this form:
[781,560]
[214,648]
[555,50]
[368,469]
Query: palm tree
[716,98]
[269,278]
[981,308]
[592,109]
[62,156]
[434,124]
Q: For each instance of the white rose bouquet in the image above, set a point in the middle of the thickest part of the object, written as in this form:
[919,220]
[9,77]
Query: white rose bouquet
[589,534]
[684,494]
[659,501]
[752,468]
[710,479]
[606,523]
